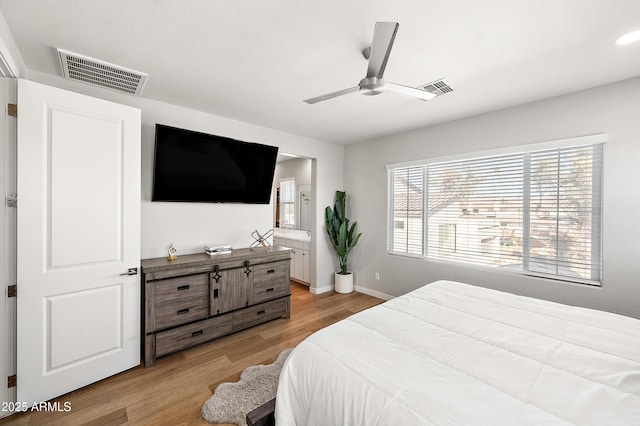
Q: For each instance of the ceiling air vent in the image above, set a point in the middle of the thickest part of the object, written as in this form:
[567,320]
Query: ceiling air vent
[438,87]
[100,73]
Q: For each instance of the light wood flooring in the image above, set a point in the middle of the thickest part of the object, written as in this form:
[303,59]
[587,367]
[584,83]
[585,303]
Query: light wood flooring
[173,391]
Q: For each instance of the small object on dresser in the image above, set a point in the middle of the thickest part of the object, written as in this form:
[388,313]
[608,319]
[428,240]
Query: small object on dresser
[212,249]
[261,240]
[171,250]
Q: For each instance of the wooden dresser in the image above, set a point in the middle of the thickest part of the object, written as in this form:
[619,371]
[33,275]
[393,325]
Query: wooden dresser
[197,298]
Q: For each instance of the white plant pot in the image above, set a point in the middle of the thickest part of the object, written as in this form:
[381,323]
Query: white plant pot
[344,283]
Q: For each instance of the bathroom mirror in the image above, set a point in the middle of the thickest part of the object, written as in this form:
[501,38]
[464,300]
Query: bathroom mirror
[292,193]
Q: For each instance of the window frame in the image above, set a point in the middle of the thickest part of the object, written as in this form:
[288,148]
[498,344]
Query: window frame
[596,207]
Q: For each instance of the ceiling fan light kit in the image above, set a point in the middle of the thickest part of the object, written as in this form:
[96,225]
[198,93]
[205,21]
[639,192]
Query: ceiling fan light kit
[374,83]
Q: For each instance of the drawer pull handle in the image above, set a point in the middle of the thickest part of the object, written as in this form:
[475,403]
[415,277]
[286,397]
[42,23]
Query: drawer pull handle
[271,271]
[183,287]
[196,333]
[269,290]
[215,293]
[262,312]
[183,311]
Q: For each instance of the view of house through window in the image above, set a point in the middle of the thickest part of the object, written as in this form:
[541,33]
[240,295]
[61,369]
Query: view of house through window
[535,212]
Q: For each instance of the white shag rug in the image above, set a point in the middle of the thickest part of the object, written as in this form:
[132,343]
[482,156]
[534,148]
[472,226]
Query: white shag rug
[231,402]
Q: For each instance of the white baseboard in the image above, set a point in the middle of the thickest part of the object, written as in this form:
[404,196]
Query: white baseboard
[373,293]
[357,288]
[320,290]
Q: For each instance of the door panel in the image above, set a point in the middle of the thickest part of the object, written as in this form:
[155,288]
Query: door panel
[95,332]
[78,232]
[84,210]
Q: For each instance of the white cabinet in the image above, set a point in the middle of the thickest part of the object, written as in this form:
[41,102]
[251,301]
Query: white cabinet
[297,264]
[306,264]
[300,264]
[300,258]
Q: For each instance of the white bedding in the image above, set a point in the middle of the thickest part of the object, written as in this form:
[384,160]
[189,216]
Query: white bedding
[451,353]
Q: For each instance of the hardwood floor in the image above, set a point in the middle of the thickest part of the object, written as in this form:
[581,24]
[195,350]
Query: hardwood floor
[173,391]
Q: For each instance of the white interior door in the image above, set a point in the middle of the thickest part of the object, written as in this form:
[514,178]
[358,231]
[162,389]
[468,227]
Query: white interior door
[78,232]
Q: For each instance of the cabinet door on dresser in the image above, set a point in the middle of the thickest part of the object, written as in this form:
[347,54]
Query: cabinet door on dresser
[229,289]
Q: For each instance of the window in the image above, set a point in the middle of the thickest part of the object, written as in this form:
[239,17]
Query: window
[447,241]
[407,184]
[287,203]
[537,212]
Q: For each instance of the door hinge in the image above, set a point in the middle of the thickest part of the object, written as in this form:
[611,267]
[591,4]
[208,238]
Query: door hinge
[12,200]
[12,291]
[12,110]
[12,381]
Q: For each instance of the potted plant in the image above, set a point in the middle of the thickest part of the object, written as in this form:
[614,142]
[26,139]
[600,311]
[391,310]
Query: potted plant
[343,238]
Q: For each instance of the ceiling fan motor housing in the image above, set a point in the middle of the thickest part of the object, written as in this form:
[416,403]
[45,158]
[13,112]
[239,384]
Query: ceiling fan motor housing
[371,86]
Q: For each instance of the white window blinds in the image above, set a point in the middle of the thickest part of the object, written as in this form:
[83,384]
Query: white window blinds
[535,212]
[406,184]
[287,203]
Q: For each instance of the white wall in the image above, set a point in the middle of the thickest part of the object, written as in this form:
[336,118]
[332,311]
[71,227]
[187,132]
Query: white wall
[297,168]
[9,51]
[613,109]
[189,226]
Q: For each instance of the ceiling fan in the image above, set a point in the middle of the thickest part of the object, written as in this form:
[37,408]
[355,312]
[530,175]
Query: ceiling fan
[378,54]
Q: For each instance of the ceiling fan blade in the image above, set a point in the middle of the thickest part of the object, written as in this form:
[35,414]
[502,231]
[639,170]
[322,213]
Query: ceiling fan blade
[383,36]
[409,91]
[332,95]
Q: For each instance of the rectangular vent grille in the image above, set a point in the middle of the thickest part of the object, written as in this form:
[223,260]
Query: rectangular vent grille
[438,87]
[100,73]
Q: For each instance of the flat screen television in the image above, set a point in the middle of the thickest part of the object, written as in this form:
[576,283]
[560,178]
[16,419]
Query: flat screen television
[191,166]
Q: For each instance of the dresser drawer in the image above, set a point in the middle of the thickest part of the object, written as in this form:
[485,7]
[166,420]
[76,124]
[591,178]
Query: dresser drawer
[258,314]
[275,271]
[190,286]
[181,311]
[270,281]
[268,290]
[193,334]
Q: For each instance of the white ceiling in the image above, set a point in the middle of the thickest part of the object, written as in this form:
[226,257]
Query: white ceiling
[256,60]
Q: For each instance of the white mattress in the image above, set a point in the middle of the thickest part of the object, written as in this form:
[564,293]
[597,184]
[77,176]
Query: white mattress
[451,353]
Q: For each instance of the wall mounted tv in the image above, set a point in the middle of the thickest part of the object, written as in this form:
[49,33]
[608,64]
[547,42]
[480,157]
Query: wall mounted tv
[198,167]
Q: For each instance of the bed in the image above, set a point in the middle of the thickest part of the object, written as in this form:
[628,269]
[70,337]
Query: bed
[452,353]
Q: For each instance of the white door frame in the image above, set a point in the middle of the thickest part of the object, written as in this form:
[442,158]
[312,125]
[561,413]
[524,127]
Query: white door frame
[11,67]
[7,242]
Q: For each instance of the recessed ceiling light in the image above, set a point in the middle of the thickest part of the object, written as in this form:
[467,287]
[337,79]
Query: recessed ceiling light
[629,37]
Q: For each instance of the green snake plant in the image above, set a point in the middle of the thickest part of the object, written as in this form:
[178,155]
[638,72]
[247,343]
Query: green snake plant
[342,236]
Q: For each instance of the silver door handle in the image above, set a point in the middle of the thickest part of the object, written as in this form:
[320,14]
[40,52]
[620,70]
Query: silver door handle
[131,271]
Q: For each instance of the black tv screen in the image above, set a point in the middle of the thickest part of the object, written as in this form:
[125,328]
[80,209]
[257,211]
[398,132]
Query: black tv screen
[198,167]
